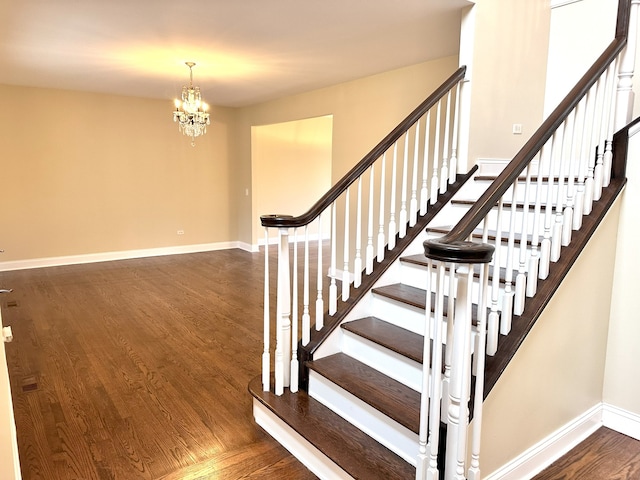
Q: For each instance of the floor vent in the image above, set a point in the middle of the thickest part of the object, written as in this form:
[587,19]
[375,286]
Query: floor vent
[29,384]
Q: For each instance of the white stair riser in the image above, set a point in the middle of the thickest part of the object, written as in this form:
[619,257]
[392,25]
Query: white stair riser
[392,364]
[417,276]
[398,314]
[404,316]
[383,429]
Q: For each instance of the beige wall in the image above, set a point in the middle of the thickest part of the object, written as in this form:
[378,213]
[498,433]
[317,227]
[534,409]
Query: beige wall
[90,173]
[364,111]
[291,166]
[621,387]
[557,374]
[508,74]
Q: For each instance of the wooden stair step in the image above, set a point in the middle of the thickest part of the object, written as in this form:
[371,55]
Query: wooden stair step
[396,339]
[534,178]
[390,397]
[421,260]
[477,233]
[346,445]
[417,297]
[505,205]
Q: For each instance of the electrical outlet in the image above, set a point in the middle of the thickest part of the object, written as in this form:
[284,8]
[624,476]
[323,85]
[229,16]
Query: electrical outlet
[517,129]
[180,232]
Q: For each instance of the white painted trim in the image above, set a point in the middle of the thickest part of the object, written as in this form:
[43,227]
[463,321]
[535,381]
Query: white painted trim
[621,420]
[633,130]
[562,3]
[548,450]
[247,247]
[122,255]
[310,456]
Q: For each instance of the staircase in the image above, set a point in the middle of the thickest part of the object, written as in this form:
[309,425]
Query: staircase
[413,332]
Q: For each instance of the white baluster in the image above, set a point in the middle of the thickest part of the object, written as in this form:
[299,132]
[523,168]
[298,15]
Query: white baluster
[346,281]
[319,299]
[479,358]
[507,297]
[453,162]
[333,288]
[521,278]
[545,245]
[436,368]
[494,317]
[444,174]
[556,233]
[435,183]
[293,383]
[381,240]
[458,413]
[587,159]
[306,317]
[575,121]
[402,220]
[423,436]
[424,192]
[534,258]
[392,205]
[413,203]
[608,125]
[357,262]
[266,355]
[369,250]
[283,320]
[448,351]
[592,188]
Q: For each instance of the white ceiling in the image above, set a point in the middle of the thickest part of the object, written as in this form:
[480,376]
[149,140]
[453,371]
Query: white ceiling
[247,51]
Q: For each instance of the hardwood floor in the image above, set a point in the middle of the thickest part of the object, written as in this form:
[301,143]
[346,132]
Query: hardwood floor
[138,369]
[605,455]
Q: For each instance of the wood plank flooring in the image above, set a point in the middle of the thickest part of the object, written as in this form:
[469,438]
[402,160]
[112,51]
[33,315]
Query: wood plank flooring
[605,455]
[138,369]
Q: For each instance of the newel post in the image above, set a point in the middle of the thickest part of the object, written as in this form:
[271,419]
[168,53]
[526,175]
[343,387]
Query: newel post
[463,255]
[624,93]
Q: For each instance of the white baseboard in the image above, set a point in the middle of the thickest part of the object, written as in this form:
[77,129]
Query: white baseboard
[621,420]
[310,456]
[122,255]
[545,452]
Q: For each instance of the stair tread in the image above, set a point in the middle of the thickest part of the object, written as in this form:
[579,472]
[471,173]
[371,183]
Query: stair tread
[534,178]
[506,205]
[392,398]
[354,451]
[396,339]
[420,259]
[416,297]
[478,232]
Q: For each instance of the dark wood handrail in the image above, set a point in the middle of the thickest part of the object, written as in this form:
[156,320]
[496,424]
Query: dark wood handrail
[341,186]
[503,182]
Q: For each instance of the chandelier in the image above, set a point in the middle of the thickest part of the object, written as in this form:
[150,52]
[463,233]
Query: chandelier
[191,113]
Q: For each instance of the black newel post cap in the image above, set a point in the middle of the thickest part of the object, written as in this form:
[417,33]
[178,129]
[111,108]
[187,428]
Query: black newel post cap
[458,251]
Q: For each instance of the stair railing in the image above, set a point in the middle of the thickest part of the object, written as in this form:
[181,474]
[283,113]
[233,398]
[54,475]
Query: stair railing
[538,200]
[364,215]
